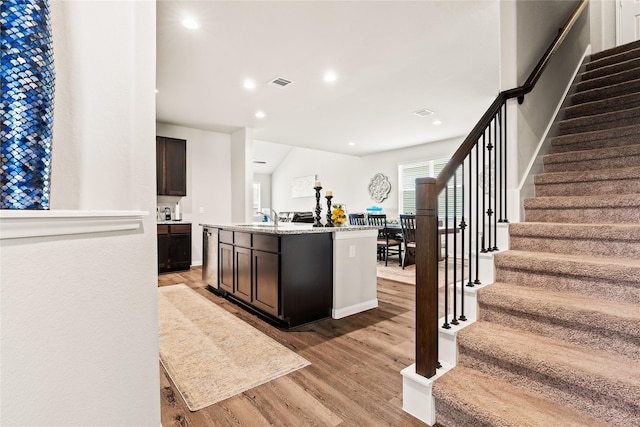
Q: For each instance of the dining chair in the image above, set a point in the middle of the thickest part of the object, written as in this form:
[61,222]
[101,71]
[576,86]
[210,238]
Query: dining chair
[357,219]
[408,225]
[388,243]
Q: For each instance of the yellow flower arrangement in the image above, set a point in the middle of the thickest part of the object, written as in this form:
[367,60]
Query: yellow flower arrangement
[338,216]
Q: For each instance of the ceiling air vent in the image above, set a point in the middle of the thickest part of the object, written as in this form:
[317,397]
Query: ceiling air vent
[280,82]
[423,112]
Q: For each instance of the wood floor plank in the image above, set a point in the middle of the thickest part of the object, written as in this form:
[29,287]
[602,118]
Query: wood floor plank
[354,377]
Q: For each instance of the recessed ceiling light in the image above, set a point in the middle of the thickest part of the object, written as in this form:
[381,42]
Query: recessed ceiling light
[260,114]
[190,23]
[249,84]
[351,143]
[436,122]
[157,91]
[330,76]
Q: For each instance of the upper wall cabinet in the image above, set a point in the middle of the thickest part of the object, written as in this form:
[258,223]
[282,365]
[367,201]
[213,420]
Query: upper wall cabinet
[171,166]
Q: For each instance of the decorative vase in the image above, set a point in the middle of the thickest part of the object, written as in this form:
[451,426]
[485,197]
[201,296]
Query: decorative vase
[26,104]
[339,214]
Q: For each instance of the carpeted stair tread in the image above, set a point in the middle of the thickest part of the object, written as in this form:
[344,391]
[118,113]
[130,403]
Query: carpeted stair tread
[502,404]
[602,158]
[619,118]
[608,138]
[590,271]
[591,182]
[601,208]
[598,240]
[562,308]
[602,106]
[596,382]
[610,91]
[613,68]
[615,54]
[609,79]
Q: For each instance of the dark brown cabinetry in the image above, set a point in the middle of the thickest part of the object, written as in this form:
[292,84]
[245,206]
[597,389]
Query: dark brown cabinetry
[288,277]
[171,166]
[174,247]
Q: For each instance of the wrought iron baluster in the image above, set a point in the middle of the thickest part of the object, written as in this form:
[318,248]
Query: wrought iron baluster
[496,189]
[446,259]
[489,187]
[462,227]
[484,162]
[454,320]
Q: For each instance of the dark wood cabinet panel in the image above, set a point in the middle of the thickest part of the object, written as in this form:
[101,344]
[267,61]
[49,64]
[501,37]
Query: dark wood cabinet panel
[225,259]
[289,278]
[163,252]
[171,166]
[243,274]
[174,247]
[266,281]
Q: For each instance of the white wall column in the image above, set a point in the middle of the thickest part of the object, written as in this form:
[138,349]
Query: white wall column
[242,175]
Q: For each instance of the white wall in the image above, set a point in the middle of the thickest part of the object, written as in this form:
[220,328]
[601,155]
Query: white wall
[78,334]
[349,176]
[265,188]
[208,180]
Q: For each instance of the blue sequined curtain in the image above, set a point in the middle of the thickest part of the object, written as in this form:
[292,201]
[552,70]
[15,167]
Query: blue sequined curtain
[26,104]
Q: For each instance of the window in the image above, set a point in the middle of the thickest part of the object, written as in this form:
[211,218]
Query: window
[256,198]
[429,168]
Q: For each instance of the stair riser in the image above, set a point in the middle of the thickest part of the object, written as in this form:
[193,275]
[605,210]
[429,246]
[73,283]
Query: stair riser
[450,416]
[627,161]
[610,340]
[626,186]
[614,56]
[583,394]
[590,124]
[605,92]
[606,289]
[595,247]
[579,143]
[602,107]
[626,215]
[608,80]
[610,69]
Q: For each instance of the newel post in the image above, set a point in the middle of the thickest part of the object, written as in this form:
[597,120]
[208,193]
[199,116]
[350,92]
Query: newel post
[426,277]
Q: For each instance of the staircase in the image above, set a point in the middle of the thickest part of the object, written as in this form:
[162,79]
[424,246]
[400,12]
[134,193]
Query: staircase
[557,342]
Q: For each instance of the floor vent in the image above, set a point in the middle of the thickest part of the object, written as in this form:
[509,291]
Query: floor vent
[280,82]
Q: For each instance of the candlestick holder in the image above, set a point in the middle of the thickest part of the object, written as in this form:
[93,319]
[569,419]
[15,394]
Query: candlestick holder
[317,222]
[329,220]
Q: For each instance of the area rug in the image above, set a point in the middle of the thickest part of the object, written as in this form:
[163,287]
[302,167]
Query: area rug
[212,355]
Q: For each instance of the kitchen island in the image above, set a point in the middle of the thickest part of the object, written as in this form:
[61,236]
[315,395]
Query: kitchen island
[293,273]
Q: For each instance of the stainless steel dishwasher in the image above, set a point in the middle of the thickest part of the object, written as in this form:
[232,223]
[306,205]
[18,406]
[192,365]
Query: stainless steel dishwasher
[210,257]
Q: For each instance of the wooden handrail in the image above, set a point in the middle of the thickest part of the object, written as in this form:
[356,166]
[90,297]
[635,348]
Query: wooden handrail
[519,92]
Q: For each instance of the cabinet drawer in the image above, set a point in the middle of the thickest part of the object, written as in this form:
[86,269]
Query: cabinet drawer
[243,239]
[226,237]
[180,228]
[163,229]
[266,243]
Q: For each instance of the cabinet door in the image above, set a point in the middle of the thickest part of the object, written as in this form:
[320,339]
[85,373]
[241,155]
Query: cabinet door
[225,255]
[266,279]
[175,167]
[159,165]
[163,253]
[180,252]
[243,273]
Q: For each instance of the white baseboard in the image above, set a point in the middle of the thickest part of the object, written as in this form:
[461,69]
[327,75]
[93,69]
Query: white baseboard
[353,309]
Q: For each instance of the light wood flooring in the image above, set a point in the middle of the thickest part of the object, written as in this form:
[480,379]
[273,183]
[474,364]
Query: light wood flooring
[353,380]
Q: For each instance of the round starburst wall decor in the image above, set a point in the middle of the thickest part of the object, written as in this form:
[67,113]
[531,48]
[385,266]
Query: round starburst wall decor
[379,187]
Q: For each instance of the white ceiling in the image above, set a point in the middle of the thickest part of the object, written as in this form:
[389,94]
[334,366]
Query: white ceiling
[391,59]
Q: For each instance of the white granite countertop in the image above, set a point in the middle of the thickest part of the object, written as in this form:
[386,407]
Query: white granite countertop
[287,228]
[172,222]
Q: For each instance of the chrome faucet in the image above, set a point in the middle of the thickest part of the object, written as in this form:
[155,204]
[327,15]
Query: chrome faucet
[274,218]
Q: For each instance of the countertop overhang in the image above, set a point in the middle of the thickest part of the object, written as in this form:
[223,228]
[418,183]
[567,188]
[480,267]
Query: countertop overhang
[288,228]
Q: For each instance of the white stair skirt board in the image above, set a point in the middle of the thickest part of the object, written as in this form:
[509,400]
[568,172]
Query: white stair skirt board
[417,399]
